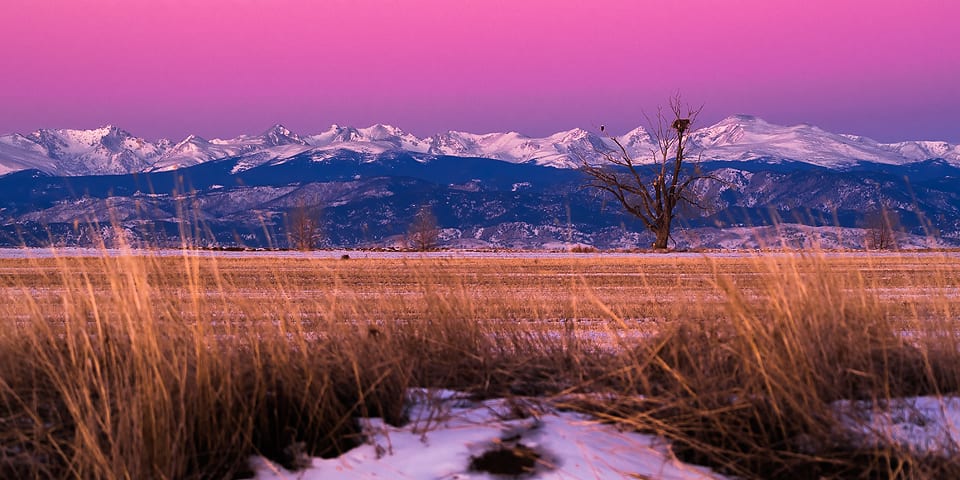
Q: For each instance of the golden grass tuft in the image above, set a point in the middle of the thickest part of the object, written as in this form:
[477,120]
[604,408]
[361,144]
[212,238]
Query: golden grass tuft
[751,391]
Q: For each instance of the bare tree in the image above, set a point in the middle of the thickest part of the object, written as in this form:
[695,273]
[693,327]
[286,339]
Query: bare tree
[881,226]
[424,234]
[651,191]
[303,227]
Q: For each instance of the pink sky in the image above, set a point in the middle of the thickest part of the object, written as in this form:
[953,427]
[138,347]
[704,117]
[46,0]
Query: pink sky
[166,68]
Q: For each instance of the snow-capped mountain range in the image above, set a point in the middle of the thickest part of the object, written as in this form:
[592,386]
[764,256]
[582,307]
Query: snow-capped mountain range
[111,150]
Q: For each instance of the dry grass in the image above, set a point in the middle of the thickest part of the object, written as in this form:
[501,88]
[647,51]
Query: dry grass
[143,366]
[750,391]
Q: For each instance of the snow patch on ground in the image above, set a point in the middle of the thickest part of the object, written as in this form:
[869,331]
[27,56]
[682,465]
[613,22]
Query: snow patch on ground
[448,432]
[923,425]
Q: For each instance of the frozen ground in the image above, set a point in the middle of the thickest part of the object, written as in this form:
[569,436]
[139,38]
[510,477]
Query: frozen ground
[449,437]
[924,425]
[452,437]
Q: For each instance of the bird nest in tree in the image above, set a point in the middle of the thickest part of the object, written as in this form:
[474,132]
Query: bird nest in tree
[681,124]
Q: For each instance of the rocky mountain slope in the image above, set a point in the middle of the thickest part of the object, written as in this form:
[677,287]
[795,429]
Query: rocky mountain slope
[370,199]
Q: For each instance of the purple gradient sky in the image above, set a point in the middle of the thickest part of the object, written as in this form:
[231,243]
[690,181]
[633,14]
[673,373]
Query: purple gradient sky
[166,68]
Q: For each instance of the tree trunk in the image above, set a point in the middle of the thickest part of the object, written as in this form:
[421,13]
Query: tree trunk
[663,235]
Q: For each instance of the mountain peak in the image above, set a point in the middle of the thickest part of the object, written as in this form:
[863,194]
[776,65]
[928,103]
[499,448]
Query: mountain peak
[573,133]
[278,129]
[279,135]
[191,140]
[346,134]
[732,130]
[741,120]
[56,138]
[637,136]
[380,131]
[108,130]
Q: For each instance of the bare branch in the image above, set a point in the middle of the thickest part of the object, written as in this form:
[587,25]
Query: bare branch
[303,227]
[653,194]
[424,234]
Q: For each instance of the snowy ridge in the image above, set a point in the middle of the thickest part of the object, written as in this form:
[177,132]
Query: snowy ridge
[106,150]
[744,137]
[193,150]
[110,150]
[20,153]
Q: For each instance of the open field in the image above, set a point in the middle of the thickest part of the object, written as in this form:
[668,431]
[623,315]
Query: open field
[184,365]
[541,290]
